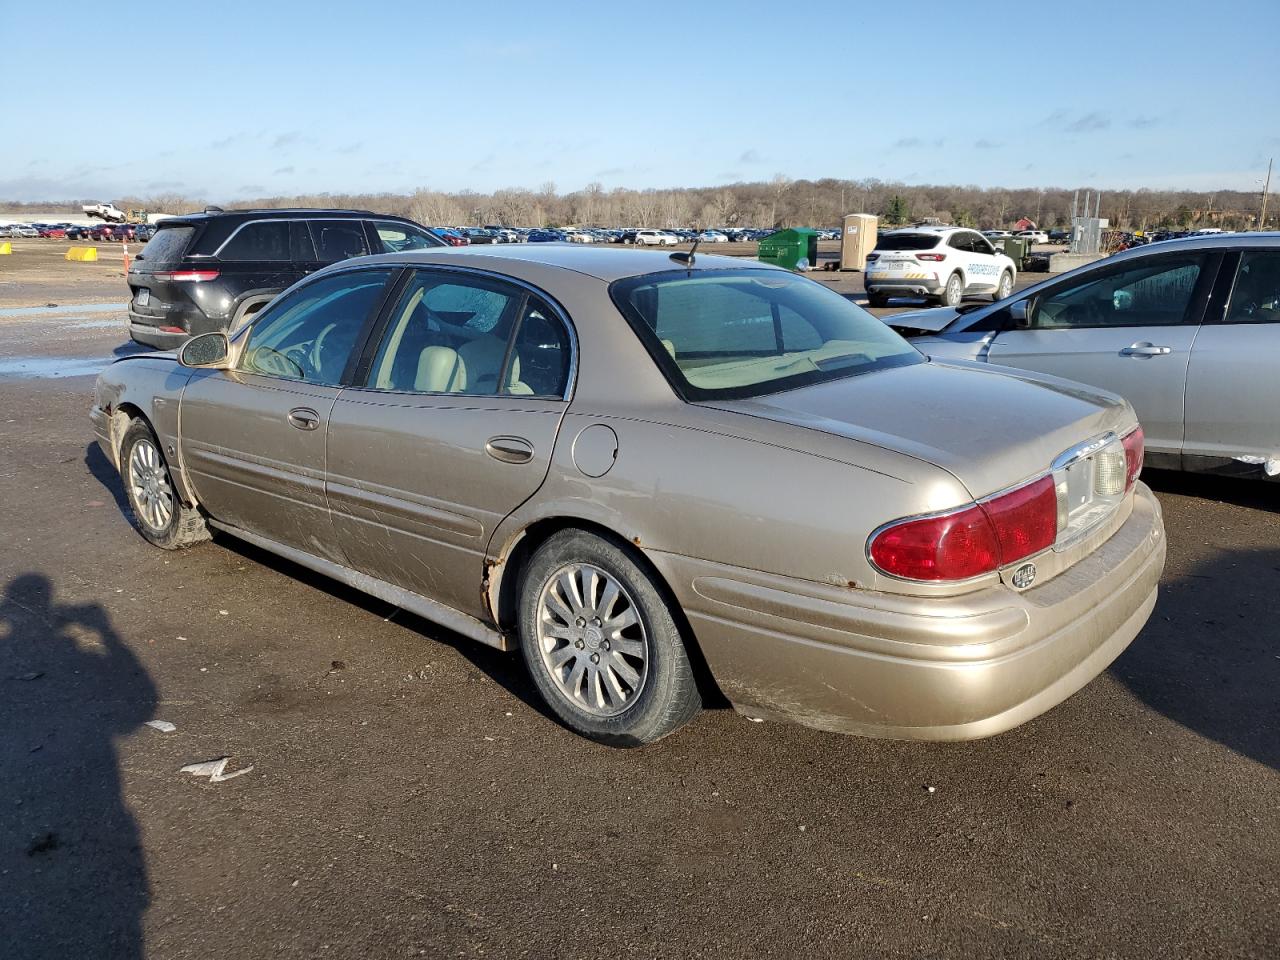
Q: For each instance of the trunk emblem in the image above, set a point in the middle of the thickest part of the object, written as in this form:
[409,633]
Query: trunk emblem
[1024,576]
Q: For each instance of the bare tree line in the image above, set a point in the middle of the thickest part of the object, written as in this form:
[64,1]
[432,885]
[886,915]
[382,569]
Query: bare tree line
[778,202]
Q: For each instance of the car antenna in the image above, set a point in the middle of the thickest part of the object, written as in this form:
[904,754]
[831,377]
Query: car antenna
[687,258]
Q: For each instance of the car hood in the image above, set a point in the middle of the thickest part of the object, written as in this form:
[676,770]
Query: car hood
[988,427]
[929,321]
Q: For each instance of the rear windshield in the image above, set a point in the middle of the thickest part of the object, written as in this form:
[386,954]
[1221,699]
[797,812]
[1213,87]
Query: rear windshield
[908,241]
[728,334]
[168,244]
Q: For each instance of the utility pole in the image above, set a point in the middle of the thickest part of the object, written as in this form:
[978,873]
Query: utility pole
[1266,188]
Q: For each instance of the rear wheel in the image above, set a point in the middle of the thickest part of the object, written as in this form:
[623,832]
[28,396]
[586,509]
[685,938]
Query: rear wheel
[601,643]
[953,293]
[159,514]
[877,299]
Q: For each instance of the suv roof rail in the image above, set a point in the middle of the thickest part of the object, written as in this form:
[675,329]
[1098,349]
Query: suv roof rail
[213,209]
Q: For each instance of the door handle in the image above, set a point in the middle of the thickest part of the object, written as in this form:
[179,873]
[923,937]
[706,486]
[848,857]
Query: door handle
[1144,349]
[509,449]
[304,418]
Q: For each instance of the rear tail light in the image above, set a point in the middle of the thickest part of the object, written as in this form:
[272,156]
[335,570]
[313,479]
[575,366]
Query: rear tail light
[973,541]
[195,276]
[872,256]
[933,257]
[1135,444]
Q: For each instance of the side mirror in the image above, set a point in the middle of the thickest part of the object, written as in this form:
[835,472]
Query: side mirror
[1020,311]
[209,350]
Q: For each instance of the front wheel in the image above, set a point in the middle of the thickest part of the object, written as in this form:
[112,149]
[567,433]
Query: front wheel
[1005,287]
[601,643]
[161,517]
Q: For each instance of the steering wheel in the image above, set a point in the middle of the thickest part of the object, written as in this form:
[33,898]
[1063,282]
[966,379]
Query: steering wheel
[317,345]
[268,360]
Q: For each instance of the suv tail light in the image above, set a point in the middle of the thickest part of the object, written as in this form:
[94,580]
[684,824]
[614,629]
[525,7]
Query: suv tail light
[1135,448]
[872,256]
[933,257]
[972,541]
[195,276]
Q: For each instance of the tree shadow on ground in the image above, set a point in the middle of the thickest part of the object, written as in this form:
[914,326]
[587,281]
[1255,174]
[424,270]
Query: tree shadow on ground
[74,877]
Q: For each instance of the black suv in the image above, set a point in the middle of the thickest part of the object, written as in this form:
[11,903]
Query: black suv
[209,271]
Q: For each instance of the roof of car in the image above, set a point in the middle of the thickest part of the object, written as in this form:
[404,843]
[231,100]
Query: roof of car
[269,212]
[602,263]
[938,230]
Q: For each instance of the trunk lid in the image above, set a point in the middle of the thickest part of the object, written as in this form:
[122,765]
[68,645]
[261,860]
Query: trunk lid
[990,428]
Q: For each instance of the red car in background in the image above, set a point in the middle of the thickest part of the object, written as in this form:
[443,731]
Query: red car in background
[109,232]
[53,231]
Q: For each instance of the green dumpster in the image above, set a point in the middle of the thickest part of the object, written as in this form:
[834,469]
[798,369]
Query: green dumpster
[1016,249]
[787,248]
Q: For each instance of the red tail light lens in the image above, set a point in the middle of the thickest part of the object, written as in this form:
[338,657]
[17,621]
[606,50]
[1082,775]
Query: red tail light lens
[1135,448]
[195,276]
[933,257]
[973,541]
[954,547]
[1025,520]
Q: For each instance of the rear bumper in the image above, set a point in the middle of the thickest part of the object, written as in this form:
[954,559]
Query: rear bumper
[152,336]
[921,668]
[892,286]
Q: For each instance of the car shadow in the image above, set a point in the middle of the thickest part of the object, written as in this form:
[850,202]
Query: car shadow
[1209,657]
[102,470]
[74,877]
[1242,491]
[505,668]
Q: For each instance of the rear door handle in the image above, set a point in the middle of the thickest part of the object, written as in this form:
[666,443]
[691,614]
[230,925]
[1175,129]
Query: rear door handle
[1144,349]
[509,449]
[304,418]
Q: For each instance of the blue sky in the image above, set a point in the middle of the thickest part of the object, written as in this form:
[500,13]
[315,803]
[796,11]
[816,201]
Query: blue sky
[245,99]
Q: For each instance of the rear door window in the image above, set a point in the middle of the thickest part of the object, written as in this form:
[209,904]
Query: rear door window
[264,241]
[336,240]
[168,245]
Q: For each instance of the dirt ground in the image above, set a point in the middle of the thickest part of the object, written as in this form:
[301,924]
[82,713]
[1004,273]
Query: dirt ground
[410,796]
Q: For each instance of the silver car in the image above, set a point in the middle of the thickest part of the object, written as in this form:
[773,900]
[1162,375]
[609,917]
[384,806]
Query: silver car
[1188,331]
[627,465]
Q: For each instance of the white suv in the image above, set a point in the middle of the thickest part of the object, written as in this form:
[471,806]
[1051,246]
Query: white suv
[943,263]
[650,238]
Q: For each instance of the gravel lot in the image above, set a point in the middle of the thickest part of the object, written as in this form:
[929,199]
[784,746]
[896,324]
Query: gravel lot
[410,797]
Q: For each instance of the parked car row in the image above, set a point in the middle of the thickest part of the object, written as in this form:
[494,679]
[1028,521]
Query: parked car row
[98,232]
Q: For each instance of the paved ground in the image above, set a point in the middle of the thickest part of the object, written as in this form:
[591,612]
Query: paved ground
[409,796]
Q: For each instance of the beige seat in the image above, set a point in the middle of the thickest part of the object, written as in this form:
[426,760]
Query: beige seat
[482,358]
[440,370]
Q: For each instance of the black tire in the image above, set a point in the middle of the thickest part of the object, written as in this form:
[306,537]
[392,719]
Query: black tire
[668,694]
[877,299]
[184,526]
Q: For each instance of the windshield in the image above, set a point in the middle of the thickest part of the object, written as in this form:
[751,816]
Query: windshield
[728,334]
[908,241]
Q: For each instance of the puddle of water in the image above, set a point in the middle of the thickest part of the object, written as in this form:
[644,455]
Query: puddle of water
[62,310]
[52,368]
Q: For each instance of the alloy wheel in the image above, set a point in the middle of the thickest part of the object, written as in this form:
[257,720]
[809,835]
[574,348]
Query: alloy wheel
[592,639]
[149,484]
